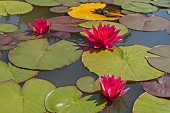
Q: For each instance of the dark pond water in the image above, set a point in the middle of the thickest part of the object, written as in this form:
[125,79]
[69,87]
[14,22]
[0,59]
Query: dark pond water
[70,74]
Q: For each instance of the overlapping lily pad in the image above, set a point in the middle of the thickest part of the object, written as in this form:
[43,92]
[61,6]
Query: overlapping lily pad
[69,2]
[160,87]
[26,35]
[61,9]
[29,99]
[68,100]
[5,39]
[163,61]
[147,103]
[143,23]
[10,72]
[122,2]
[66,23]
[140,7]
[161,3]
[87,12]
[14,7]
[9,46]
[38,54]
[128,62]
[168,11]
[7,28]
[44,2]
[123,28]
[88,85]
[103,1]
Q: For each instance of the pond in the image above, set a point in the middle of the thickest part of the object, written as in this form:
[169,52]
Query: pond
[75,68]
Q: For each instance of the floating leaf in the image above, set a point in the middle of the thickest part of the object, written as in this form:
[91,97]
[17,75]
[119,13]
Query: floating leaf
[60,34]
[14,7]
[143,23]
[123,28]
[37,54]
[7,28]
[168,30]
[127,12]
[88,85]
[10,72]
[163,61]
[147,103]
[61,9]
[0,54]
[5,39]
[87,12]
[161,3]
[68,100]
[139,7]
[69,2]
[65,23]
[160,87]
[168,11]
[122,2]
[104,1]
[9,46]
[44,2]
[129,62]
[29,99]
[26,35]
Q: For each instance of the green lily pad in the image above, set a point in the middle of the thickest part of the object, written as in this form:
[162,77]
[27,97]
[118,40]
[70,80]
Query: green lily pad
[168,11]
[61,9]
[14,7]
[161,3]
[10,72]
[44,2]
[8,28]
[29,99]
[139,7]
[123,28]
[147,103]
[88,85]
[69,3]
[143,23]
[128,62]
[38,54]
[68,100]
[163,61]
[121,2]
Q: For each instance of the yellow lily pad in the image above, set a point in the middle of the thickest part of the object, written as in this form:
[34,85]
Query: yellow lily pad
[87,12]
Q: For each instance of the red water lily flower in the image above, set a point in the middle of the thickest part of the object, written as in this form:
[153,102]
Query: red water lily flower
[112,87]
[103,36]
[41,26]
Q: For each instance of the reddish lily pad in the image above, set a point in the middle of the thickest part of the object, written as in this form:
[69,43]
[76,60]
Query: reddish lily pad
[160,87]
[143,23]
[5,39]
[9,46]
[61,9]
[163,61]
[66,23]
[0,54]
[88,85]
[61,34]
[26,35]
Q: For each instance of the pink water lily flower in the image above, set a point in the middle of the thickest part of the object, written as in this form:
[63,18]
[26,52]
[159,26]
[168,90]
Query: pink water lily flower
[112,87]
[41,26]
[103,36]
